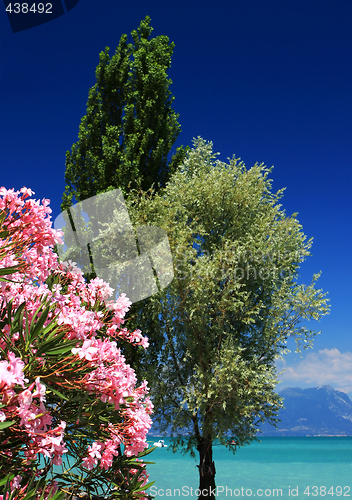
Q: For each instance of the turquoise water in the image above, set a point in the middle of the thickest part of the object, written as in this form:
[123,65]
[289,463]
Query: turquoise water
[289,464]
[279,467]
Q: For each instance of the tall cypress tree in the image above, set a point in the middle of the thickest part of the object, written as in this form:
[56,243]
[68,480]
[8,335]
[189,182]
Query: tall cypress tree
[126,136]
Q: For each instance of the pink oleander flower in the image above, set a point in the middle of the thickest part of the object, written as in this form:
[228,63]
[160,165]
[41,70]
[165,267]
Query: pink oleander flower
[16,482]
[94,450]
[89,462]
[40,390]
[86,351]
[77,311]
[11,372]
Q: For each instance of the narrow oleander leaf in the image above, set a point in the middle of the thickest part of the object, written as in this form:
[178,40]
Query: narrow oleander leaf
[7,479]
[4,425]
[60,350]
[35,328]
[143,488]
[58,393]
[8,270]
[51,343]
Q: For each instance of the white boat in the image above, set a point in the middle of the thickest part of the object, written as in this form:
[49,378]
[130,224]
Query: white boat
[160,444]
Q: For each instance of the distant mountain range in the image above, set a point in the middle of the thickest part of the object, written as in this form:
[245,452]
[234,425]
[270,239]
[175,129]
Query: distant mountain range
[318,411]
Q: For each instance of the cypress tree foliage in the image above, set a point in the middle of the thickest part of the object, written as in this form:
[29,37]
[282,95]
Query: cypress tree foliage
[130,127]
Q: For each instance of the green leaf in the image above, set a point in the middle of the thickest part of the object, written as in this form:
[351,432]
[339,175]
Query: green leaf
[35,328]
[7,280]
[8,478]
[4,425]
[58,393]
[143,488]
[146,452]
[8,270]
[60,350]
[52,343]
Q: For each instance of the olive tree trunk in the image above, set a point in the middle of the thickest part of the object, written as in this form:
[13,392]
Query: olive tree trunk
[206,470]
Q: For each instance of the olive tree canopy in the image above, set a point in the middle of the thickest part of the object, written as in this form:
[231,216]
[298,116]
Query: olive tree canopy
[217,329]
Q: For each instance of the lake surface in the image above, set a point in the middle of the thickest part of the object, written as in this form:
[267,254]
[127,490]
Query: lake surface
[288,465]
[278,467]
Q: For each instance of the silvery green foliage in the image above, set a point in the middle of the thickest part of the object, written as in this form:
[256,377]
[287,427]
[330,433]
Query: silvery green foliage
[234,302]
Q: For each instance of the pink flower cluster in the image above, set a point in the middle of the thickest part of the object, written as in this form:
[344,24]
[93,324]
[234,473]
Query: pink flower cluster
[33,418]
[29,225]
[103,451]
[84,312]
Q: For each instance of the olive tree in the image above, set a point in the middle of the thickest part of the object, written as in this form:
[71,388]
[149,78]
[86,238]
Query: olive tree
[217,329]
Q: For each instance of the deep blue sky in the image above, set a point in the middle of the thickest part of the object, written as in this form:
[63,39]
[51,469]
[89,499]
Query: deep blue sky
[267,81]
